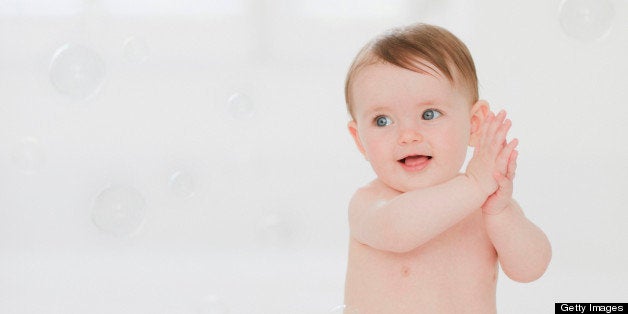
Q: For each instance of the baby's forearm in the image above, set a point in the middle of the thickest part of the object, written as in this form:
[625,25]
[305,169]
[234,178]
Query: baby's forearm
[523,249]
[415,217]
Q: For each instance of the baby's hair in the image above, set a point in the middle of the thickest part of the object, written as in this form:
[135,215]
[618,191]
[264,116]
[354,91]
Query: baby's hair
[428,45]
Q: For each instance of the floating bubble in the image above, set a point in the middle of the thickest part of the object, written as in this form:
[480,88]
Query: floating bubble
[212,305]
[241,106]
[119,210]
[277,229]
[28,156]
[343,309]
[586,20]
[76,71]
[135,50]
[182,184]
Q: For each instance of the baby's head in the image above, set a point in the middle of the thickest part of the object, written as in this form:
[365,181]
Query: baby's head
[412,94]
[415,45]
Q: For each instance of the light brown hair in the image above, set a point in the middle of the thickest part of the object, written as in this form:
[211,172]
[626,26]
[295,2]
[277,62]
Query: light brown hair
[424,44]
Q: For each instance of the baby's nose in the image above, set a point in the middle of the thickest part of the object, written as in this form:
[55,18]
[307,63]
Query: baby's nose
[409,135]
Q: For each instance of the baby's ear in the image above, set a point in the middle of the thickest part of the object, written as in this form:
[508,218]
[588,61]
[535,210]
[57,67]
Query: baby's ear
[353,129]
[479,112]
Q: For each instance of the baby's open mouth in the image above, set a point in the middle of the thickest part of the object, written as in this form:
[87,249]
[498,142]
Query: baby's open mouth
[414,158]
[414,162]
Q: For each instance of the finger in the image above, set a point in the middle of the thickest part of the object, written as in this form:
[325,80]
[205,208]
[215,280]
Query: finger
[501,115]
[501,163]
[487,123]
[498,129]
[484,132]
[496,123]
[505,185]
[502,131]
[512,165]
[503,159]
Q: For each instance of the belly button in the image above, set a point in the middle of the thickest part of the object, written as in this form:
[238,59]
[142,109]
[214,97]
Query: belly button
[405,271]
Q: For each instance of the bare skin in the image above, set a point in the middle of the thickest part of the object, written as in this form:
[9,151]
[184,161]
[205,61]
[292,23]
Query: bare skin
[455,272]
[425,238]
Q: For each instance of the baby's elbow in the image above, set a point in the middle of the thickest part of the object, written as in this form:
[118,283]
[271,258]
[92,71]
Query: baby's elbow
[385,239]
[396,245]
[524,277]
[533,270]
[398,241]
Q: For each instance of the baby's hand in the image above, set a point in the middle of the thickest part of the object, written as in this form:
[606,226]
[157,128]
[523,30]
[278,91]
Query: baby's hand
[492,152]
[499,200]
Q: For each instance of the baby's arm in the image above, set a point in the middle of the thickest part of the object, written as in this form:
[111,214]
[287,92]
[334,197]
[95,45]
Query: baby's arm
[408,220]
[523,249]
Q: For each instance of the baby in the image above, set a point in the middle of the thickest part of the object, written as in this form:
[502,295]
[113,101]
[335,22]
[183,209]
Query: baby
[426,238]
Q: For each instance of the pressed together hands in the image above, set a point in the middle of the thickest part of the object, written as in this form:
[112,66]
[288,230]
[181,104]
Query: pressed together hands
[523,249]
[494,162]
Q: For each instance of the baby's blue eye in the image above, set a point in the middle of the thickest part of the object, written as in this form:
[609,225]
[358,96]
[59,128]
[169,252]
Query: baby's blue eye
[382,121]
[431,114]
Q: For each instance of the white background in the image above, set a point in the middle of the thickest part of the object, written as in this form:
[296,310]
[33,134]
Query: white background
[245,211]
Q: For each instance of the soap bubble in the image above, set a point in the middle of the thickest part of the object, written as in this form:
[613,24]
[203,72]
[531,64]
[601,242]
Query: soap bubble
[241,106]
[278,229]
[135,50]
[76,71]
[586,20]
[212,305]
[28,156]
[119,210]
[182,184]
[343,309]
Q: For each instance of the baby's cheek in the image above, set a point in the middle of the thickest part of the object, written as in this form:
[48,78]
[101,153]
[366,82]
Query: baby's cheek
[454,140]
[456,150]
[376,147]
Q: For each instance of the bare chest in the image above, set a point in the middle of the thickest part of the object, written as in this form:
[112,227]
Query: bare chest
[460,264]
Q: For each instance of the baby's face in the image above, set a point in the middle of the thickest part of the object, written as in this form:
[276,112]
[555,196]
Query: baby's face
[413,128]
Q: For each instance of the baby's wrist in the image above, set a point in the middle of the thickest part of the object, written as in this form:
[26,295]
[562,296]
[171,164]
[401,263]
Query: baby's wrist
[495,211]
[478,186]
[483,186]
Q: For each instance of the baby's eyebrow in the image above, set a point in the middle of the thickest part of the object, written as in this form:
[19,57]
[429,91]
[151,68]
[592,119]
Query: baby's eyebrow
[376,110]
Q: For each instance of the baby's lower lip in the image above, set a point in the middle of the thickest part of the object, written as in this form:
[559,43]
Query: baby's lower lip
[415,163]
